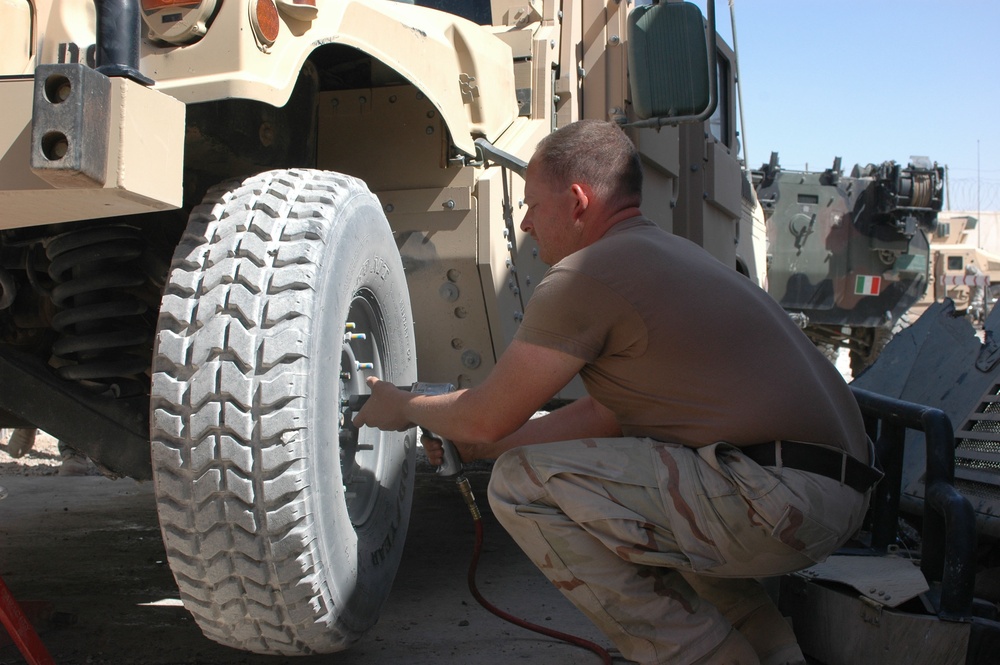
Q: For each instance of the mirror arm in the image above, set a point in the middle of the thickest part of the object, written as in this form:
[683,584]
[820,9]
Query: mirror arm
[489,152]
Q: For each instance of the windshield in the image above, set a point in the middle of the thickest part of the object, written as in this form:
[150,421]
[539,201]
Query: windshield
[477,11]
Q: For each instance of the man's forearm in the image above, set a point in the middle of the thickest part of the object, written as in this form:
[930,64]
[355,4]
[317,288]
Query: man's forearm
[452,416]
[525,378]
[582,419]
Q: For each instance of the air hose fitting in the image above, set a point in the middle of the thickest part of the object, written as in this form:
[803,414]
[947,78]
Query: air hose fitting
[465,487]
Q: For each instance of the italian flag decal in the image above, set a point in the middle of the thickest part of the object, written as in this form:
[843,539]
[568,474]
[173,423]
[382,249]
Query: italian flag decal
[867,285]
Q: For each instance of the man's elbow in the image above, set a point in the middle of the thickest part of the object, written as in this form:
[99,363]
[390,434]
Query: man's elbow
[484,433]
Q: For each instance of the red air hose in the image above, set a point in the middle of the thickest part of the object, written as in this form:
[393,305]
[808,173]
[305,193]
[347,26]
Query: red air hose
[466,490]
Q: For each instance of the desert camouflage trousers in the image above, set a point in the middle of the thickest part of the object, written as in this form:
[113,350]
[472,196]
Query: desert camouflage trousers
[616,524]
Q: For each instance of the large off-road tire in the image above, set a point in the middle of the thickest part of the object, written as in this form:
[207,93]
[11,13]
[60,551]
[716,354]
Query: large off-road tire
[282,537]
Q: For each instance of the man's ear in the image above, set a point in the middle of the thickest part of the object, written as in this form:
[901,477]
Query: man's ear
[584,196]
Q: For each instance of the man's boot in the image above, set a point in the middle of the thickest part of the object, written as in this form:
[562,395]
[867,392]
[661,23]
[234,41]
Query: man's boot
[73,463]
[21,441]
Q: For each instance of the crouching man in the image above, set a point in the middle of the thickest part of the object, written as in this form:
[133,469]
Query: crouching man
[715,445]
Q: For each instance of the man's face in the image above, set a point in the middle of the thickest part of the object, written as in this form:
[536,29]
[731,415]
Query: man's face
[550,216]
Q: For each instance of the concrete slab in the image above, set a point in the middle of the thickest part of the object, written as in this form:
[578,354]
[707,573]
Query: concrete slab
[91,548]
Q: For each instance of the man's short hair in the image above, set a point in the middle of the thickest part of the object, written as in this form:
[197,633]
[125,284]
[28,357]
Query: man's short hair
[596,153]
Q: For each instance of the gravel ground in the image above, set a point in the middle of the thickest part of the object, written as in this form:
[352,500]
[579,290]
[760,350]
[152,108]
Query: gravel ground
[42,460]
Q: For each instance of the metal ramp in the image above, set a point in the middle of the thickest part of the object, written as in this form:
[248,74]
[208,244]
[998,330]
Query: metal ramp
[942,361]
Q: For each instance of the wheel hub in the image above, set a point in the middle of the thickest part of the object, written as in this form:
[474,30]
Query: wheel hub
[361,357]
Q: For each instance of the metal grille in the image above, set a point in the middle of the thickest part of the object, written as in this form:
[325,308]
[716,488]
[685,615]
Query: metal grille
[992,447]
[984,420]
[977,464]
[977,450]
[981,491]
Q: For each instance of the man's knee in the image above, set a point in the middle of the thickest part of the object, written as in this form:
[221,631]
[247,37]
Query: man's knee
[502,492]
[514,483]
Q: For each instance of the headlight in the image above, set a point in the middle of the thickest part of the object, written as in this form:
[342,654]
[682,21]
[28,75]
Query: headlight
[177,21]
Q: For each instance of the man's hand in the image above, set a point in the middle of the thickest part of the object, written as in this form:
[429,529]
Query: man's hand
[434,450]
[384,409]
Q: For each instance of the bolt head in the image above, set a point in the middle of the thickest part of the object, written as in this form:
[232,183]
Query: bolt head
[471,359]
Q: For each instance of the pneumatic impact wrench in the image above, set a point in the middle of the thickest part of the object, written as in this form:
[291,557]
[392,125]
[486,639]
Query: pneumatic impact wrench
[452,464]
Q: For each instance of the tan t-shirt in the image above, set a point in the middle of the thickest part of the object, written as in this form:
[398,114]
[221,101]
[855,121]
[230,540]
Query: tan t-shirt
[685,349]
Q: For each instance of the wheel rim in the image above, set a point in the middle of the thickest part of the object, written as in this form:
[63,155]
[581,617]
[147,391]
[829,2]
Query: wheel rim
[363,355]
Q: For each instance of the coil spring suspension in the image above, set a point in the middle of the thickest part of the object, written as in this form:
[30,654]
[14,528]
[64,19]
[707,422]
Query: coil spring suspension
[103,338]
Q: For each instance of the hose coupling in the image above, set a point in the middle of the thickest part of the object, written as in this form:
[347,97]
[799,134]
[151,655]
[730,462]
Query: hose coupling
[466,489]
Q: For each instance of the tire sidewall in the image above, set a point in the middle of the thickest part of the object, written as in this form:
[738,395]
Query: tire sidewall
[360,560]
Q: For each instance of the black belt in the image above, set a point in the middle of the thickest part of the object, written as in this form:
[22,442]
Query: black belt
[817,459]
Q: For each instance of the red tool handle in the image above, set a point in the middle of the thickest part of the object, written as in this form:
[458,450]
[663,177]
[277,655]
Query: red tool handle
[21,631]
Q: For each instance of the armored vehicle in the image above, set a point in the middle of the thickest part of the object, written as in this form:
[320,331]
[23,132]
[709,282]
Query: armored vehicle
[218,217]
[960,269]
[848,255]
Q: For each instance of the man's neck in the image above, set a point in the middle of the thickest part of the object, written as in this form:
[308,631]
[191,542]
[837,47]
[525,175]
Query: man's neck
[609,221]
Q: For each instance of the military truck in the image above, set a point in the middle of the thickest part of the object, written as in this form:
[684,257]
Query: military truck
[218,217]
[960,269]
[848,255]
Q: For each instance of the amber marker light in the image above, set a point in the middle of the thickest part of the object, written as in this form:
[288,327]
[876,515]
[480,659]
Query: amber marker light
[264,21]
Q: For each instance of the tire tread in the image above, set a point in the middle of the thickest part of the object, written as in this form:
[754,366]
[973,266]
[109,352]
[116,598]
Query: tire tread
[230,366]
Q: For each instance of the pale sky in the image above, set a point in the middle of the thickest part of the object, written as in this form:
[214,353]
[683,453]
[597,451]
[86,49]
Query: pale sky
[872,81]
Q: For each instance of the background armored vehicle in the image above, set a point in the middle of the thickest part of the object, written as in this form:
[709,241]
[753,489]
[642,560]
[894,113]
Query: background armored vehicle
[961,270]
[217,217]
[849,255]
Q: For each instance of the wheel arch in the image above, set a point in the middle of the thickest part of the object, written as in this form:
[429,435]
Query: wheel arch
[464,70]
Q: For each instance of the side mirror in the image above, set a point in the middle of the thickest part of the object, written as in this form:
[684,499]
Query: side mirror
[672,63]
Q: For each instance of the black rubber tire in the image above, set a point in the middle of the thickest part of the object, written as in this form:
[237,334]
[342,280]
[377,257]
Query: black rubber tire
[281,539]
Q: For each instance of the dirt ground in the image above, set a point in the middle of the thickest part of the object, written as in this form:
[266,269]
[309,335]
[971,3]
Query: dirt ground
[84,556]
[42,460]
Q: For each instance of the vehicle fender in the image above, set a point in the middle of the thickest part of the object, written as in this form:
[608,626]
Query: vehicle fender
[463,69]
